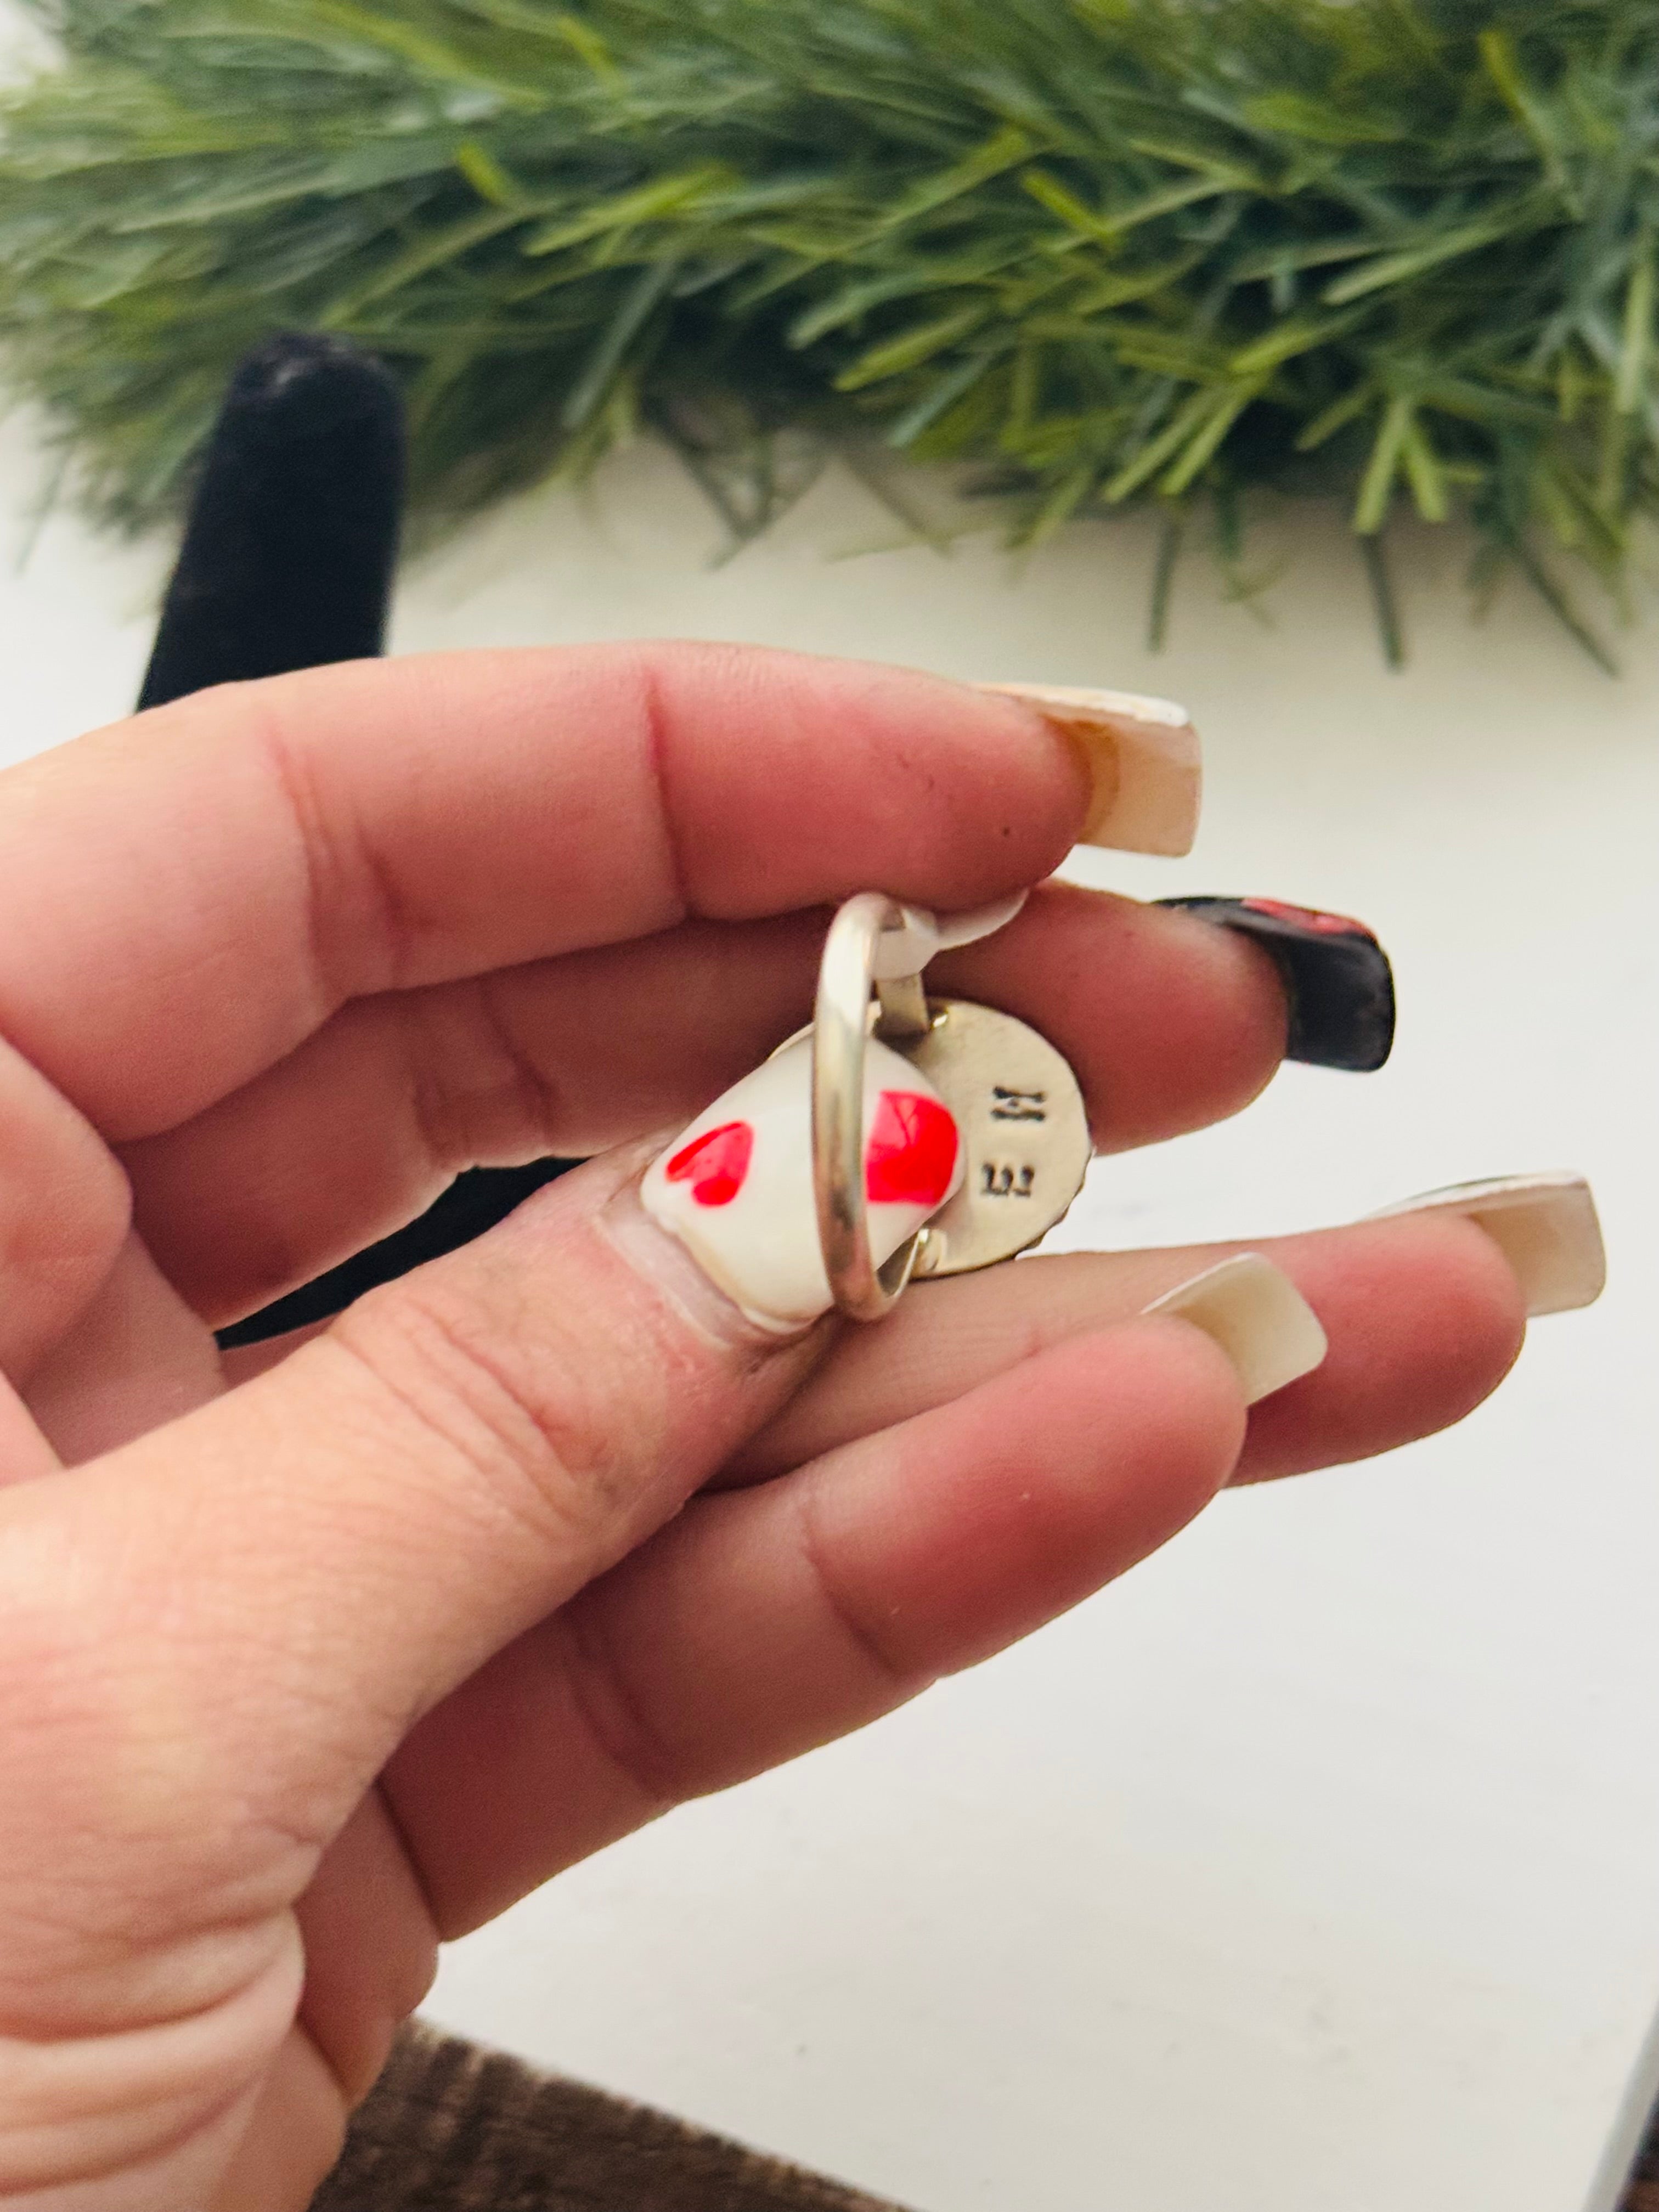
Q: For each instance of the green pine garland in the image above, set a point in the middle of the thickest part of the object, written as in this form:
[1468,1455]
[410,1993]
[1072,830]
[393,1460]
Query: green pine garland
[1112,253]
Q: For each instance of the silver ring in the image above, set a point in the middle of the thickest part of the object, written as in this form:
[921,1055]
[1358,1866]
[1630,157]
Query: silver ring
[841,1028]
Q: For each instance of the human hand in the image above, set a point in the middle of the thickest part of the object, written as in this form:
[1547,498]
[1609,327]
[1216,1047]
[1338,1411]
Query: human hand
[309,1661]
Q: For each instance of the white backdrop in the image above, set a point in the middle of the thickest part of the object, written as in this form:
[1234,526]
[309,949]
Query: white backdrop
[1317,1864]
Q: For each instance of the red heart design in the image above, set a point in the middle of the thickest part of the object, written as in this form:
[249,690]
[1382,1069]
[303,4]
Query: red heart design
[911,1152]
[714,1163]
[1309,917]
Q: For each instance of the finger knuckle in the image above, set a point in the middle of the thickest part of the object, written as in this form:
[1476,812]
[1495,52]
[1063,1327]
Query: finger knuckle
[872,1640]
[476,1081]
[616,1714]
[524,1420]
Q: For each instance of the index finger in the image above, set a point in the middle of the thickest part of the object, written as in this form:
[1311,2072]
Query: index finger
[192,894]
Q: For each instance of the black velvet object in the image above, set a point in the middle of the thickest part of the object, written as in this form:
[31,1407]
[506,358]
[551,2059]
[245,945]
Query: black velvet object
[288,559]
[287,563]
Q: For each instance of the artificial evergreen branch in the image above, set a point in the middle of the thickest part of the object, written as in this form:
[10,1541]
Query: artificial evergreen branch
[1113,254]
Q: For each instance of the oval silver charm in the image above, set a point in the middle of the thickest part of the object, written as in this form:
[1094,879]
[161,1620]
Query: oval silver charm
[1023,1125]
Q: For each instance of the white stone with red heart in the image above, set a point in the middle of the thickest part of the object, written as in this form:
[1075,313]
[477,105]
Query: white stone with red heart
[736,1187]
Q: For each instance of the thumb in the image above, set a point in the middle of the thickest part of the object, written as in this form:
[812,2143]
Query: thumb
[212,1640]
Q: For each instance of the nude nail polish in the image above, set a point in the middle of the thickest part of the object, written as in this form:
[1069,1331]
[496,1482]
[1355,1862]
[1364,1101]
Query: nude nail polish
[1337,980]
[1254,1313]
[1143,758]
[1545,1225]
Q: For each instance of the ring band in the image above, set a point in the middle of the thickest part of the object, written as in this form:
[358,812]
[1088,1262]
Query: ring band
[841,1028]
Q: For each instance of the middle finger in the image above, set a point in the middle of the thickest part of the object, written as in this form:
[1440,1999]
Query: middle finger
[1170,1024]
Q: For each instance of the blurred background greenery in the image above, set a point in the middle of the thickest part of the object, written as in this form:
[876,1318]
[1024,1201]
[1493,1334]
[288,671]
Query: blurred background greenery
[1100,254]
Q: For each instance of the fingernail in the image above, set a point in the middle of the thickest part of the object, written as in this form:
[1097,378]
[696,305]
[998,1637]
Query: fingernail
[1143,758]
[1336,975]
[1257,1316]
[736,1186]
[1545,1225]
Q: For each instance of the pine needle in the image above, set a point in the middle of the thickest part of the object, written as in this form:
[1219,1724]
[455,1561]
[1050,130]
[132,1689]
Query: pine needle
[1110,253]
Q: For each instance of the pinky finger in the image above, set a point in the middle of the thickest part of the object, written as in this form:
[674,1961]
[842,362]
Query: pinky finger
[765,1622]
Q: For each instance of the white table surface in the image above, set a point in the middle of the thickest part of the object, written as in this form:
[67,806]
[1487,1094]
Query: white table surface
[1315,1865]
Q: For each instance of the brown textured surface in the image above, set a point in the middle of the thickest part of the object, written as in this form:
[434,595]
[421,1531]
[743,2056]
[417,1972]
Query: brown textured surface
[450,2128]
[1642,2195]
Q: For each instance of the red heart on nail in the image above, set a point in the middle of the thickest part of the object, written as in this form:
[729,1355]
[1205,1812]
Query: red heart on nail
[911,1152]
[1309,917]
[714,1163]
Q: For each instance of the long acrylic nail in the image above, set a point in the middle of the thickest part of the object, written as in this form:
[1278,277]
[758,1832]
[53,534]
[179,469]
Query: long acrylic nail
[1545,1225]
[1336,976]
[1143,759]
[1257,1316]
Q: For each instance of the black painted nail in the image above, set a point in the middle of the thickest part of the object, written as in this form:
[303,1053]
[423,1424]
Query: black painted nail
[292,537]
[1336,976]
